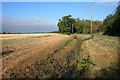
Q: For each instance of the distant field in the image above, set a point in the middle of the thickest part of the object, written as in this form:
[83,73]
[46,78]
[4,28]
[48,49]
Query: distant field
[52,55]
[13,36]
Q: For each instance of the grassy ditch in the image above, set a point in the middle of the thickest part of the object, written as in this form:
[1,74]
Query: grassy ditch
[72,59]
[84,61]
[62,45]
[52,65]
[79,64]
[83,67]
[67,61]
[65,43]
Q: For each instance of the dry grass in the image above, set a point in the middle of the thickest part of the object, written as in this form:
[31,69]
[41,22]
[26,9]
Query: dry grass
[46,55]
[104,53]
[27,50]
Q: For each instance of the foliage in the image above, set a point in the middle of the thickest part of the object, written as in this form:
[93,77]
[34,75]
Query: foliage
[65,24]
[112,23]
[69,25]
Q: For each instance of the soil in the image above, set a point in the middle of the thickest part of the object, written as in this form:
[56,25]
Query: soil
[58,56]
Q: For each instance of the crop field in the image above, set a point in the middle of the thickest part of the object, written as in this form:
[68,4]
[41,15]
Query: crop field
[53,55]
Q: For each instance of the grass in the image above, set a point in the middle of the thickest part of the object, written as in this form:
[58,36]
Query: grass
[65,43]
[83,62]
[77,51]
[56,65]
[107,36]
[79,43]
[83,66]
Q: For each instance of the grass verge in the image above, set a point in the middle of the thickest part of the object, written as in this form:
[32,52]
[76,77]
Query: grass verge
[65,43]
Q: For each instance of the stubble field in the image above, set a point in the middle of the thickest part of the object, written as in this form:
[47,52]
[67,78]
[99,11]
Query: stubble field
[52,55]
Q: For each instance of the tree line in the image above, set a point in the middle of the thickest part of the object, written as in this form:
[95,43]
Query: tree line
[69,25]
[112,23]
[109,26]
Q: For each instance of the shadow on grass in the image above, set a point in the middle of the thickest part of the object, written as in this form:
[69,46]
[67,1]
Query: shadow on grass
[110,72]
[7,52]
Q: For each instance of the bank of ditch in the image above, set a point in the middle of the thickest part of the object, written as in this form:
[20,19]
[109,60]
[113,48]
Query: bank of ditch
[67,61]
[78,63]
[49,66]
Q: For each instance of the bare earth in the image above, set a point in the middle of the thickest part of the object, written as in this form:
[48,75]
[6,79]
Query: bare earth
[26,47]
[47,55]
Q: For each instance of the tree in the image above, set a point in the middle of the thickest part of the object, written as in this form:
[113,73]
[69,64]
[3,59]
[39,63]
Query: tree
[79,25]
[65,24]
[4,33]
[112,23]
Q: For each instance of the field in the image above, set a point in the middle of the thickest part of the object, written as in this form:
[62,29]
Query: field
[52,55]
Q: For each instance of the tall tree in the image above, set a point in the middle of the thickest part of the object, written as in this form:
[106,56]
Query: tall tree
[70,25]
[112,23]
[66,24]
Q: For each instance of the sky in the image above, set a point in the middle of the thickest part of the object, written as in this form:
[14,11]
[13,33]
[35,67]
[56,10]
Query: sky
[19,17]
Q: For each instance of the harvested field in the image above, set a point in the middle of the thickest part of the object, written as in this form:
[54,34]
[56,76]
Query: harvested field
[24,50]
[56,55]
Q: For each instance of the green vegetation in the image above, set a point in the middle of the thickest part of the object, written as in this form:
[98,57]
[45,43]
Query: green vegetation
[65,24]
[110,25]
[69,25]
[65,43]
[78,48]
[84,62]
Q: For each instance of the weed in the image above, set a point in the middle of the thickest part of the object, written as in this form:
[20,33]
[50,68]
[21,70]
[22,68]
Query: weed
[65,43]
[10,73]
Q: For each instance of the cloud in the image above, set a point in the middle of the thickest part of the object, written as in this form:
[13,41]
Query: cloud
[27,25]
[0,24]
[107,3]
